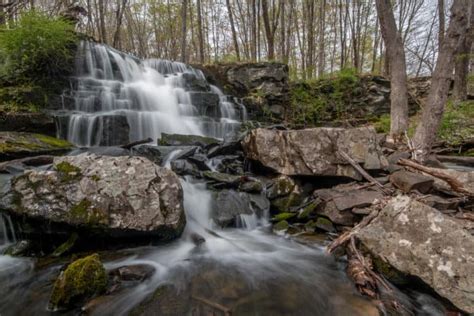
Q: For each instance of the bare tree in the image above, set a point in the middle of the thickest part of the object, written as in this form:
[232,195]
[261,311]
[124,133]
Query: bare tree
[432,113]
[270,24]
[232,26]
[200,37]
[396,56]
[184,10]
[441,21]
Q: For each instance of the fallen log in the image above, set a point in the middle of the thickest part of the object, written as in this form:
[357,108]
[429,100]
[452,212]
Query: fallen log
[462,160]
[138,142]
[455,184]
[28,161]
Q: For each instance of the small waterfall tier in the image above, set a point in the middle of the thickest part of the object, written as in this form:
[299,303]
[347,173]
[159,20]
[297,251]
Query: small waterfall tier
[116,98]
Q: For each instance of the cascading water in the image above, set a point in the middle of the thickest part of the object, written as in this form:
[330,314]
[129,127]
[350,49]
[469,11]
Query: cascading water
[116,98]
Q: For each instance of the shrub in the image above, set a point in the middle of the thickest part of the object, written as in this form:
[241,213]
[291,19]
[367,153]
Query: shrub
[36,49]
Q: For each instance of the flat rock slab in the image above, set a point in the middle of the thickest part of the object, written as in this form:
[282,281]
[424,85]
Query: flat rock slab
[314,151]
[409,181]
[117,196]
[15,145]
[418,240]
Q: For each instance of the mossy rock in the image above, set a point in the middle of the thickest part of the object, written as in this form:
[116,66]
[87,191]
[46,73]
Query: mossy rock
[283,216]
[185,140]
[284,204]
[66,246]
[324,224]
[307,211]
[15,145]
[82,279]
[221,177]
[281,225]
[281,186]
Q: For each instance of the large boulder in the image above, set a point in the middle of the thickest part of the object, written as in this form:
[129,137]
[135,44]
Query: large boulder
[124,197]
[15,145]
[314,151]
[418,240]
[36,122]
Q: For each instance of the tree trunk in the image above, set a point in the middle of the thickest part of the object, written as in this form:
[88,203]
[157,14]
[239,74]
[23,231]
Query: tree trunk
[119,17]
[322,30]
[200,38]
[254,31]
[268,31]
[441,21]
[396,57]
[232,26]
[432,113]
[103,34]
[461,65]
[184,10]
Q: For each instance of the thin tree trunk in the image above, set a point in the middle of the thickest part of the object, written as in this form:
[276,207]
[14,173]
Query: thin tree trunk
[432,113]
[268,31]
[119,17]
[184,10]
[441,21]
[200,38]
[396,56]
[461,65]
[322,30]
[103,33]
[232,26]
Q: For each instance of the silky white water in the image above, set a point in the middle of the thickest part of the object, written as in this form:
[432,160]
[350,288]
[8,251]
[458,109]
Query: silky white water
[113,93]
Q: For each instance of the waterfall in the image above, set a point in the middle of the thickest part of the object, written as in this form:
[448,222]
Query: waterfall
[116,98]
[7,231]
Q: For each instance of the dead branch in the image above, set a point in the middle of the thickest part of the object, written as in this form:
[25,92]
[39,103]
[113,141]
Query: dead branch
[453,183]
[364,173]
[345,237]
[467,161]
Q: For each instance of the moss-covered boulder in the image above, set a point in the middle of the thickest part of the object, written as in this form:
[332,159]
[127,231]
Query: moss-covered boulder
[14,145]
[81,280]
[185,140]
[99,196]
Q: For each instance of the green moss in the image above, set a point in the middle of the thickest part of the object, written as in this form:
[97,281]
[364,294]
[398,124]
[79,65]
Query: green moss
[283,204]
[95,177]
[82,279]
[68,171]
[457,124]
[282,225]
[283,216]
[324,224]
[66,246]
[52,141]
[393,275]
[382,125]
[307,211]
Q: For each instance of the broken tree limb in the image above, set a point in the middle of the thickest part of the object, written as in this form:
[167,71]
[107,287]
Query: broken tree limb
[345,237]
[138,142]
[364,173]
[455,184]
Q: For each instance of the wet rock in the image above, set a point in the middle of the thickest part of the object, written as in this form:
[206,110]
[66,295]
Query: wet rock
[197,239]
[281,186]
[229,205]
[124,197]
[287,203]
[200,161]
[115,130]
[281,226]
[194,83]
[14,145]
[356,198]
[227,179]
[324,224]
[409,181]
[441,204]
[283,216]
[153,153]
[136,272]
[28,122]
[184,167]
[226,148]
[251,186]
[314,151]
[185,140]
[418,240]
[81,280]
[66,246]
[20,248]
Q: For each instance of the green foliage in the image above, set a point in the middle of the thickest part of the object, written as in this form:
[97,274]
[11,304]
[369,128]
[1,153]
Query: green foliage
[382,125]
[36,49]
[457,123]
[316,100]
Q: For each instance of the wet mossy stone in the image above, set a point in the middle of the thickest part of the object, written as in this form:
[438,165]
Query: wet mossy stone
[281,225]
[66,246]
[14,145]
[185,140]
[284,204]
[324,224]
[82,279]
[283,216]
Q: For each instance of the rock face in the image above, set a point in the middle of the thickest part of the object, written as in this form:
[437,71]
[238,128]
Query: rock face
[314,152]
[28,122]
[418,240]
[116,196]
[15,145]
[262,86]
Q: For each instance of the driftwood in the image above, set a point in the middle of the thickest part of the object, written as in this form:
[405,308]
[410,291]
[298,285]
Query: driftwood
[138,142]
[466,161]
[364,173]
[453,183]
[28,161]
